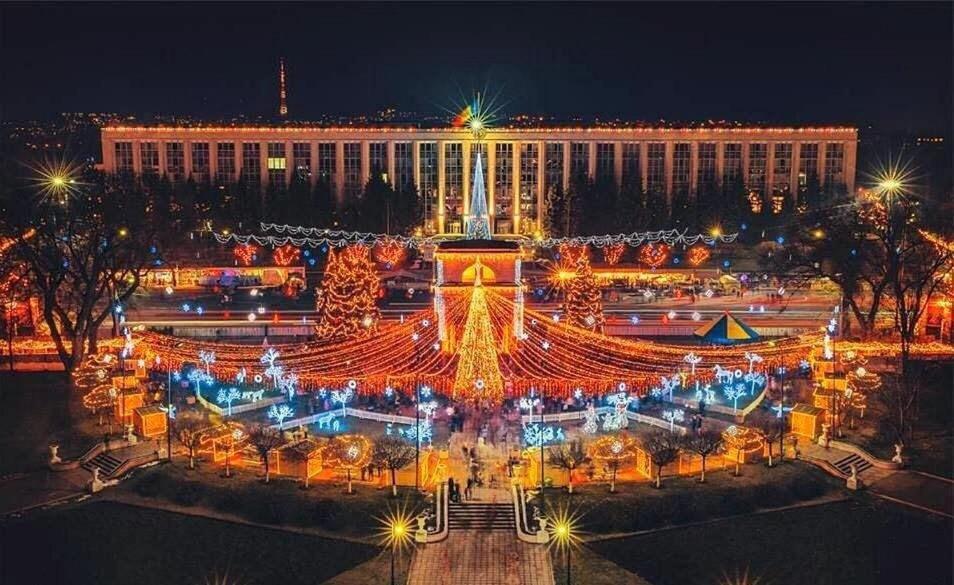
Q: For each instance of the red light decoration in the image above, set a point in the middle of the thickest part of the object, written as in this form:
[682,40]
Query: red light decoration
[346,302]
[391,254]
[654,255]
[286,255]
[245,253]
[570,253]
[697,255]
[613,253]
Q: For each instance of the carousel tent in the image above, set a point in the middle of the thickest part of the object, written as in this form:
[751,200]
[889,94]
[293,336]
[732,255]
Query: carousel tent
[726,329]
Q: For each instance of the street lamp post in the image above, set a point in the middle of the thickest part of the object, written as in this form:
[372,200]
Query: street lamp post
[417,438]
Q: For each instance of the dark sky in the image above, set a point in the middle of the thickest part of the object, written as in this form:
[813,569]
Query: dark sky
[888,65]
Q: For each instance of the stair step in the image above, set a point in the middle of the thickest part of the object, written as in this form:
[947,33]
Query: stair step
[844,465]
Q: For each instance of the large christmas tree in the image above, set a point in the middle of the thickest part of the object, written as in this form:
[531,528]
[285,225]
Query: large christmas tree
[478,371]
[346,301]
[583,301]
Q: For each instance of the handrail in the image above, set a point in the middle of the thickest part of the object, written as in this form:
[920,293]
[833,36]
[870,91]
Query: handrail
[857,450]
[355,412]
[132,463]
[441,527]
[520,513]
[580,414]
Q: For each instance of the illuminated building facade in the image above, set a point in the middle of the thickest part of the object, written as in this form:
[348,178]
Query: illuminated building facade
[521,165]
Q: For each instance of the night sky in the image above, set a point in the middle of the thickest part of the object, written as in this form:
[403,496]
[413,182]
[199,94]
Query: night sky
[879,64]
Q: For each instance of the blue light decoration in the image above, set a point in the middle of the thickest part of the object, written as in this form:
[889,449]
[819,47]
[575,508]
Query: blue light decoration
[780,240]
[634,320]
[424,431]
[311,262]
[152,249]
[675,260]
[744,226]
[536,435]
[306,253]
[118,309]
[324,249]
[199,310]
[726,263]
[186,307]
[854,252]
[426,391]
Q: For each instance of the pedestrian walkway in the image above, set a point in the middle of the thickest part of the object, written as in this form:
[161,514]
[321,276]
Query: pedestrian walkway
[491,557]
[917,490]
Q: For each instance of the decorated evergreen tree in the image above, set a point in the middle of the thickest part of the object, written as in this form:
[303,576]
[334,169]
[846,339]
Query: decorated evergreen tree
[346,301]
[583,301]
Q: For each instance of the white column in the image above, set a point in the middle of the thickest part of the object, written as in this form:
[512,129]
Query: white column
[289,161]
[466,179]
[187,157]
[591,159]
[515,187]
[720,163]
[213,161]
[796,162]
[693,169]
[339,171]
[441,177]
[644,164]
[770,169]
[851,158]
[541,183]
[745,164]
[263,164]
[491,183]
[137,157]
[618,164]
[365,162]
[566,165]
[313,147]
[667,169]
[392,177]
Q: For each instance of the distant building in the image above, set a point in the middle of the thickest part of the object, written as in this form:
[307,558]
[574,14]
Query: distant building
[521,164]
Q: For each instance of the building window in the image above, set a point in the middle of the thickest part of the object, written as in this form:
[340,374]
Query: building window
[681,159]
[403,165]
[276,163]
[834,164]
[149,155]
[378,158]
[782,168]
[579,159]
[605,160]
[632,171]
[706,177]
[656,167]
[328,163]
[503,180]
[251,161]
[124,157]
[807,163]
[301,159]
[352,169]
[200,160]
[175,159]
[553,167]
[225,162]
[529,165]
[758,152]
[731,163]
[453,180]
[427,159]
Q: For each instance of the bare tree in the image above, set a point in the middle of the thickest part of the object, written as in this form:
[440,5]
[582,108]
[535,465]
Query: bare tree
[265,440]
[568,456]
[85,255]
[189,432]
[393,453]
[772,429]
[663,449]
[704,444]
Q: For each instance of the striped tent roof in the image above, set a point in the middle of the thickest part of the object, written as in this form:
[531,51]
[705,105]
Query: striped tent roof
[726,329]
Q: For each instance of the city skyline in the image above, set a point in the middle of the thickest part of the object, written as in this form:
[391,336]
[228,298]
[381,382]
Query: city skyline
[613,61]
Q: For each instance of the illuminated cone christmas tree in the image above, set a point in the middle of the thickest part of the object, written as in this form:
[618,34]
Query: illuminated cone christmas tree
[346,302]
[478,372]
[583,302]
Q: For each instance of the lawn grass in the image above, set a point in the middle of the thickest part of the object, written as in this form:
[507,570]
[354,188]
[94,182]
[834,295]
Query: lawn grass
[639,506]
[857,542]
[106,543]
[40,408]
[323,506]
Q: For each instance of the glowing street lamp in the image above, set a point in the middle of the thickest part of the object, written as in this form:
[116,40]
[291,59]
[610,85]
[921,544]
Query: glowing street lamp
[396,533]
[563,534]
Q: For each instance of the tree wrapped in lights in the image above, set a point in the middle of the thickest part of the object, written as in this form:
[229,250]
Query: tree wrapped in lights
[478,371]
[583,301]
[614,451]
[347,299]
[393,454]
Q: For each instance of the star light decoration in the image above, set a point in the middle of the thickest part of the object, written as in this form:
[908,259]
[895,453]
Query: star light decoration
[57,181]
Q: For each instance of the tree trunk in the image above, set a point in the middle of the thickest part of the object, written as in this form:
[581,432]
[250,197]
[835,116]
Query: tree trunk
[191,458]
[658,476]
[266,468]
[703,478]
[393,482]
[613,482]
[350,491]
[569,482]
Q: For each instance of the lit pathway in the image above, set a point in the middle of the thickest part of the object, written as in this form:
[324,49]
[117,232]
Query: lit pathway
[487,557]
[480,557]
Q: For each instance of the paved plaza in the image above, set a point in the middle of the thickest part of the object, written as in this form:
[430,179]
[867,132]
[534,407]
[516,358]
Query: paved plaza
[493,557]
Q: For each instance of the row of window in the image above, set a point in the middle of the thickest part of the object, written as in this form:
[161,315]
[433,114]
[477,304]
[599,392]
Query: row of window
[506,166]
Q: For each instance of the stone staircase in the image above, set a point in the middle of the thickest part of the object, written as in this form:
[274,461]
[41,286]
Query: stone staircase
[481,516]
[844,465]
[106,462]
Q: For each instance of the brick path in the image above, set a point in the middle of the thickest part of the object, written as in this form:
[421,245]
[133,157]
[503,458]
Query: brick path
[481,558]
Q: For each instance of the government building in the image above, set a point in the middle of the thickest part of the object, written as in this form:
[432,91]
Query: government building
[521,165]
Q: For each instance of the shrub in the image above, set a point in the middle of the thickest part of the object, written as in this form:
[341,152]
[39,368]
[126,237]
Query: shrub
[188,493]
